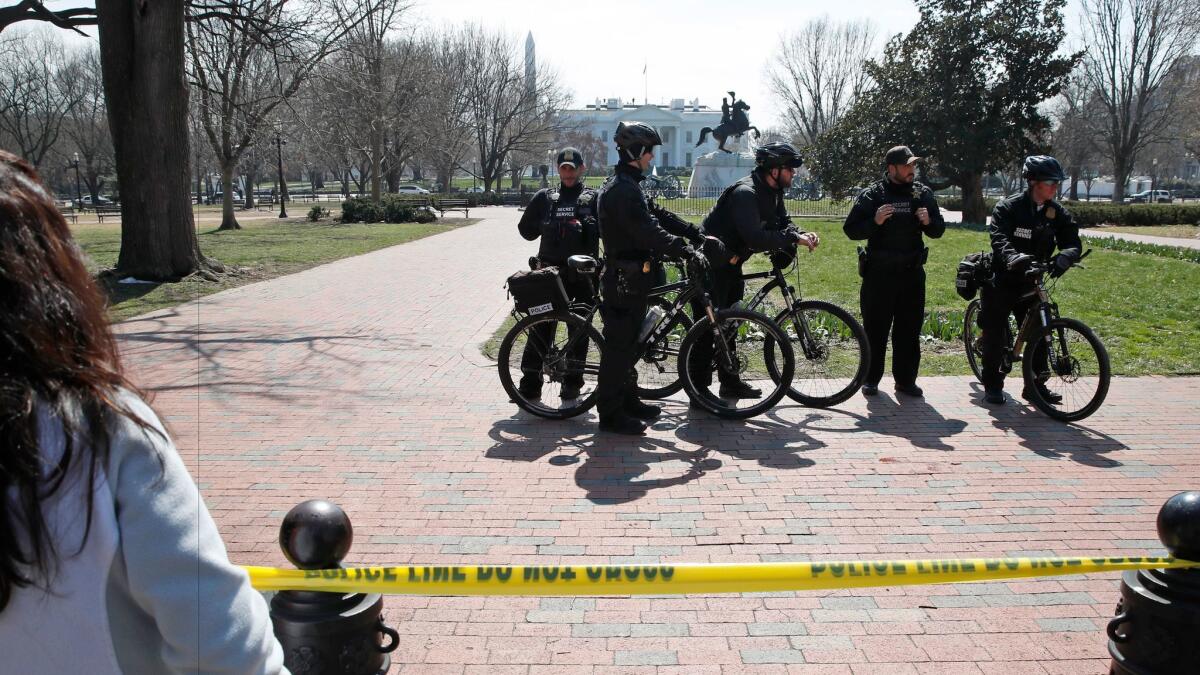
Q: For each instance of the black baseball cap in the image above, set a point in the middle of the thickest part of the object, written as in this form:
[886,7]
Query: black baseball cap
[570,157]
[900,155]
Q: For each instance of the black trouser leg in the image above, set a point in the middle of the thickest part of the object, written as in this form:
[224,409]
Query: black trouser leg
[908,316]
[996,305]
[877,303]
[541,336]
[727,290]
[616,382]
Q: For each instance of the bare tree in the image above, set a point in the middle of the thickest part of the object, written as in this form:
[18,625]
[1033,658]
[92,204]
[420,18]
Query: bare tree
[507,112]
[249,56]
[36,93]
[1077,121]
[1133,48]
[443,132]
[818,73]
[87,125]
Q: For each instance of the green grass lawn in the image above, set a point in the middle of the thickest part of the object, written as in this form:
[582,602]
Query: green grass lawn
[263,250]
[1145,308]
[1175,231]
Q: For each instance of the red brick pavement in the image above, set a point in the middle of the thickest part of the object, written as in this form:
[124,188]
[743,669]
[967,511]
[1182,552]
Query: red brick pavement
[361,381]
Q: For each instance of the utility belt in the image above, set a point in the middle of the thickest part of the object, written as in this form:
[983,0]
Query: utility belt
[634,278]
[884,260]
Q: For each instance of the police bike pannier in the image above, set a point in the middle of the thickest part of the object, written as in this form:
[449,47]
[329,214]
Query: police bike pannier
[974,270]
[538,291]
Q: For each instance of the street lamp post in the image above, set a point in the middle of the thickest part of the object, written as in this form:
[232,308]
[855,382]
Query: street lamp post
[78,194]
[279,143]
[473,172]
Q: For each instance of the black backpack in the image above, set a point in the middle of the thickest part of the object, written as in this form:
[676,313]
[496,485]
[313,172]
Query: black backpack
[974,271]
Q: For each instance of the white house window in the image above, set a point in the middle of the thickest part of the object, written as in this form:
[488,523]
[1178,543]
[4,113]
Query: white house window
[666,159]
[689,155]
[689,140]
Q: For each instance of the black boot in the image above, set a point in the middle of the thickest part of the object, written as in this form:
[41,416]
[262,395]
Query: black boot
[621,423]
[570,391]
[1053,398]
[640,410]
[738,389]
[530,388]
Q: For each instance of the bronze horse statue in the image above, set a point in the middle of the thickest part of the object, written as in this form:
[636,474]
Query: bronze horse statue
[737,124]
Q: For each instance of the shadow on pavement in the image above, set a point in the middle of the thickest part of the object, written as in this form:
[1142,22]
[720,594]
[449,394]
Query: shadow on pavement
[1051,438]
[769,440]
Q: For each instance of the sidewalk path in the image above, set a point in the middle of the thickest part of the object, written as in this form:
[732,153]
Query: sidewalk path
[361,381]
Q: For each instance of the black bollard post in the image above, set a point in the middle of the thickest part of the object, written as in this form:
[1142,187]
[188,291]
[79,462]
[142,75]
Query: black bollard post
[327,633]
[1157,627]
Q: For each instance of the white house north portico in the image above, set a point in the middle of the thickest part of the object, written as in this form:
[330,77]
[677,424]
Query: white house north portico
[679,124]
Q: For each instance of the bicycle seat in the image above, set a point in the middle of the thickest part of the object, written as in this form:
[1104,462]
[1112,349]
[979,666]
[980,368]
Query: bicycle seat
[583,264]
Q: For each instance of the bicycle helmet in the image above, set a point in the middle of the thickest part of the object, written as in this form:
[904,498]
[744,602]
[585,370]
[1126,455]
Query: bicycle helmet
[631,136]
[777,155]
[1042,167]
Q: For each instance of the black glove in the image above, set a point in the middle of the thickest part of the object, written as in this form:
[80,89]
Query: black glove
[1018,261]
[714,248]
[695,258]
[1062,263]
[792,232]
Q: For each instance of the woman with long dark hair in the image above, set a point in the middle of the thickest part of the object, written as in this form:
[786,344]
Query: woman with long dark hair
[109,561]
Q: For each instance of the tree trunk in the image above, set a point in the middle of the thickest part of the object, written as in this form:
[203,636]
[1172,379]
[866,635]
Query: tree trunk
[344,177]
[1074,194]
[228,220]
[974,208]
[515,174]
[443,177]
[142,57]
[376,166]
[251,185]
[418,175]
[1120,178]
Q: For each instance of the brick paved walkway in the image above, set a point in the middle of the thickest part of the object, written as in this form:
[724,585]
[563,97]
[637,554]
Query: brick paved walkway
[361,381]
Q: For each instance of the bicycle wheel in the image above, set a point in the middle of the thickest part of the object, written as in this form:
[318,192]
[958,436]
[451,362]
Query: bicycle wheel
[971,339]
[544,352]
[657,370]
[1072,364]
[831,349]
[745,334]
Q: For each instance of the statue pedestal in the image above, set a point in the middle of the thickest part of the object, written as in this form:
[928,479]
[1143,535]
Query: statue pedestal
[718,170]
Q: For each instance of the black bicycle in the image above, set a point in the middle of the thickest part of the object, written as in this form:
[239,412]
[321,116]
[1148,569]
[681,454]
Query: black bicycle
[832,352]
[1064,365]
[555,340]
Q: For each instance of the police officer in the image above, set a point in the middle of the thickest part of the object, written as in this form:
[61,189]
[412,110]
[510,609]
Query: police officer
[565,220]
[749,217]
[1025,227]
[634,231]
[893,215]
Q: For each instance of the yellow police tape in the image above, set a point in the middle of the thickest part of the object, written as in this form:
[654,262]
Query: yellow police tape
[535,580]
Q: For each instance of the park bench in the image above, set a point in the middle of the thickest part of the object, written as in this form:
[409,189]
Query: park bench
[110,211]
[69,213]
[444,205]
[264,203]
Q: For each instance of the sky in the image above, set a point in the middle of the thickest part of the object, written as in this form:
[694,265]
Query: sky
[688,48]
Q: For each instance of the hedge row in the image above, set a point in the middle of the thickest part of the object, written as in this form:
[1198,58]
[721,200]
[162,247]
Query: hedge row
[1087,214]
[392,209]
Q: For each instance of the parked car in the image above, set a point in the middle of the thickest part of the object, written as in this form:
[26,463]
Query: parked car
[219,197]
[101,200]
[476,189]
[1151,197]
[412,190]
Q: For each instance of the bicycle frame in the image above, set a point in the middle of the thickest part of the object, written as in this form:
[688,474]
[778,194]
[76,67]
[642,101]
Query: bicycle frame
[791,296]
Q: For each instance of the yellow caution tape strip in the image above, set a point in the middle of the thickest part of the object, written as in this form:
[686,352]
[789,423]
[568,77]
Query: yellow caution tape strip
[541,580]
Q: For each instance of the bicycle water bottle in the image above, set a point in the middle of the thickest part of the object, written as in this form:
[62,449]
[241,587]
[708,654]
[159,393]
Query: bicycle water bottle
[653,316]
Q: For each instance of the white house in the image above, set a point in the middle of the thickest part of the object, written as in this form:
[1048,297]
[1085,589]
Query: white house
[679,124]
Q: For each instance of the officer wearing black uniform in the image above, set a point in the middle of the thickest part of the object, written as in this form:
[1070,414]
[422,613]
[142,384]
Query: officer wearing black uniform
[748,217]
[565,220]
[893,215]
[1025,227]
[633,235]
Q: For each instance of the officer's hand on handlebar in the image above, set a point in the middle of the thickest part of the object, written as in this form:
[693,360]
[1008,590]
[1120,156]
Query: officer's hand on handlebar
[1062,263]
[695,258]
[714,248]
[1019,261]
[809,240]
